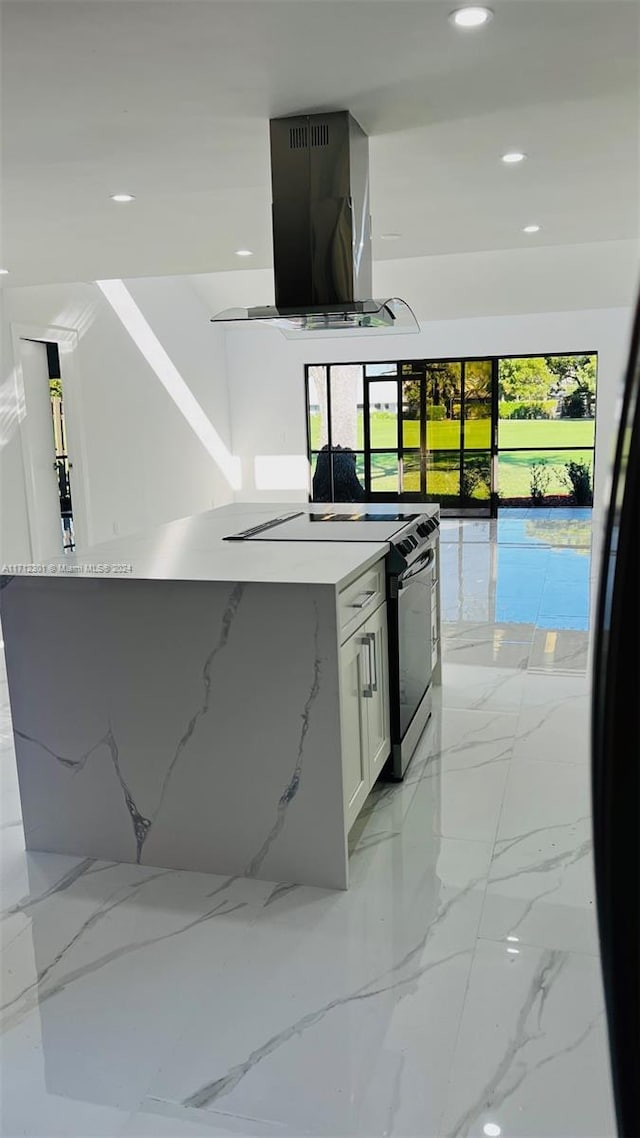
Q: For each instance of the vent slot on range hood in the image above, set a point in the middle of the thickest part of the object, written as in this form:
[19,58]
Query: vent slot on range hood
[322,233]
[320,134]
[298,138]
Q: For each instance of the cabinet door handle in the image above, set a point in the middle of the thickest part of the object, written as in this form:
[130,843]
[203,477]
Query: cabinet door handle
[368,689]
[363,600]
[373,660]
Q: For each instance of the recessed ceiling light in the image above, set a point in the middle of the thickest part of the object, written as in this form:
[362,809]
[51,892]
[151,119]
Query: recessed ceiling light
[390,236]
[513,157]
[3,272]
[492,1130]
[244,253]
[122,198]
[531,229]
[472,17]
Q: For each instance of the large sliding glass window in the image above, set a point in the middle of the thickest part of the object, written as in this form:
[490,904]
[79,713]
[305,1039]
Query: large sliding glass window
[382,456]
[546,430]
[467,433]
[335,432]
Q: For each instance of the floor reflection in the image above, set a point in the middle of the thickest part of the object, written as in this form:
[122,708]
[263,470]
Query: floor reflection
[520,574]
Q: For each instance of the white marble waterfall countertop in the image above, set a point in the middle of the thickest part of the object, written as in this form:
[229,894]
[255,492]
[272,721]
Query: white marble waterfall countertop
[193,549]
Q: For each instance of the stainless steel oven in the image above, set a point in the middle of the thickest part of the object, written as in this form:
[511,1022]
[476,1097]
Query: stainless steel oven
[413,648]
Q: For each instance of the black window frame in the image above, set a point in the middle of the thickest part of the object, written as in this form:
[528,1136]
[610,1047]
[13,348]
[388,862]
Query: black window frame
[493,450]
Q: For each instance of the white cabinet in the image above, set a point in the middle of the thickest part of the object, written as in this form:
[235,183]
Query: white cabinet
[366,736]
[355,766]
[378,729]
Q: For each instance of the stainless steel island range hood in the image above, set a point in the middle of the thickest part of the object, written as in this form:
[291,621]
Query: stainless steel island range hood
[322,233]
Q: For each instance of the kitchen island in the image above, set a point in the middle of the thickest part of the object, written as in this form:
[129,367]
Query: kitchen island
[181,701]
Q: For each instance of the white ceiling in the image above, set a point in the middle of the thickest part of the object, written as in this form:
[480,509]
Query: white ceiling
[170,100]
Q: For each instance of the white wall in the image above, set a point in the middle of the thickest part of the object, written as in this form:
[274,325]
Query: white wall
[14,525]
[144,464]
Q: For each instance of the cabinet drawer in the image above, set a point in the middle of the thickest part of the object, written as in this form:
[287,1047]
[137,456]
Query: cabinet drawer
[360,599]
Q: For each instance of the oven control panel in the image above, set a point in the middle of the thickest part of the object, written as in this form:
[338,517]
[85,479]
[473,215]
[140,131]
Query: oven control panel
[412,541]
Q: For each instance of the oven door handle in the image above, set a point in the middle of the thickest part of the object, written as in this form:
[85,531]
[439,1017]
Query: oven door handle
[418,567]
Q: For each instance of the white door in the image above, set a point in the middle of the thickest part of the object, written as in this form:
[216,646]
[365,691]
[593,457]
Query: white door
[354,726]
[39,453]
[379,730]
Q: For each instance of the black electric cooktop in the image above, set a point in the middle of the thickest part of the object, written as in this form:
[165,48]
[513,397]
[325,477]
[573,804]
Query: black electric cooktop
[362,517]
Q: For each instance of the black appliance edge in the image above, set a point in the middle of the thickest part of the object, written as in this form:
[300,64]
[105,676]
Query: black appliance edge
[616,758]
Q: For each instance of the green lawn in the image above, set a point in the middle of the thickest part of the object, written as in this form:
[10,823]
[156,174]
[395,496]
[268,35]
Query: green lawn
[446,435]
[514,469]
[514,474]
[546,433]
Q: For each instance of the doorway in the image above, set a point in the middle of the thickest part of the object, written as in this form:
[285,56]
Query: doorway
[52,444]
[62,464]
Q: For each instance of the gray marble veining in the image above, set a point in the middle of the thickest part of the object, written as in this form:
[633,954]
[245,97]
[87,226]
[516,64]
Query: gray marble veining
[217,1089]
[279,891]
[534,1043]
[28,902]
[528,1025]
[400,978]
[196,737]
[227,620]
[293,785]
[38,992]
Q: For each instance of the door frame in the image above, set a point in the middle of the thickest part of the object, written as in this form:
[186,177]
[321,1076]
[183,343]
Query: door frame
[68,342]
[420,375]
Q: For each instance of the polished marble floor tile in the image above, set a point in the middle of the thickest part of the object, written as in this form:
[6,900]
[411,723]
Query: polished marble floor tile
[107,971]
[554,719]
[516,632]
[543,794]
[478,688]
[560,650]
[556,621]
[541,888]
[531,1056]
[489,652]
[551,531]
[522,567]
[557,603]
[355,1002]
[455,984]
[466,738]
[157,1119]
[455,785]
[468,530]
[463,802]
